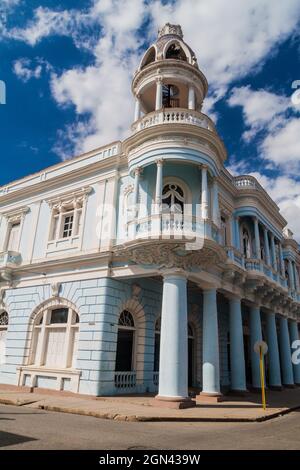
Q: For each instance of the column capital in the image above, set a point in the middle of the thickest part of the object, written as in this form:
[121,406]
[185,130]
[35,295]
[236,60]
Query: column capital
[175,273]
[159,161]
[159,80]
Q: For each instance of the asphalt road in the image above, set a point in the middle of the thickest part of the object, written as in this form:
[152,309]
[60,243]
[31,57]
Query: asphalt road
[26,428]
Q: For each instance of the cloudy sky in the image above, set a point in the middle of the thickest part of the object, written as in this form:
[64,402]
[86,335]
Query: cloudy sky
[68,65]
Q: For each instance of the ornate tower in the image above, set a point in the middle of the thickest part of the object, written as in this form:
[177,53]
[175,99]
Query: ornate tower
[169,129]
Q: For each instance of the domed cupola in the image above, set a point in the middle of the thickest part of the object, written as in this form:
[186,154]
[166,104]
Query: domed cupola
[168,75]
[169,45]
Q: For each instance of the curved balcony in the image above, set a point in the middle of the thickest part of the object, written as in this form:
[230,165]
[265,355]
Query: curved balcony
[172,226]
[173,116]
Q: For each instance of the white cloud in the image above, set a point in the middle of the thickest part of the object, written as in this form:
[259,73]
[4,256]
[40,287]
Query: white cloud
[230,39]
[6,7]
[261,108]
[285,191]
[24,70]
[282,147]
[276,117]
[47,22]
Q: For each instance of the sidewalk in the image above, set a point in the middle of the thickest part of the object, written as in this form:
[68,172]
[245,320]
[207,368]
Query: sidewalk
[140,408]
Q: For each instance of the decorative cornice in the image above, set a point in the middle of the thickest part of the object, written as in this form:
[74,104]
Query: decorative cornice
[70,198]
[172,256]
[15,215]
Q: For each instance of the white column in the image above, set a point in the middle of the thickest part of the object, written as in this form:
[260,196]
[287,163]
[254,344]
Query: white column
[210,344]
[257,239]
[267,247]
[136,190]
[204,196]
[137,111]
[273,352]
[173,362]
[282,267]
[273,250]
[285,353]
[158,101]
[237,355]
[215,208]
[291,274]
[159,182]
[191,99]
[296,277]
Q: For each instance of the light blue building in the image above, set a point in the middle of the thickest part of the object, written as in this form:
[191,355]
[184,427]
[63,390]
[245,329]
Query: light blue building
[145,266]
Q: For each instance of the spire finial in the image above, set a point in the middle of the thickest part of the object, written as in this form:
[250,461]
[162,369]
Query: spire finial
[173,29]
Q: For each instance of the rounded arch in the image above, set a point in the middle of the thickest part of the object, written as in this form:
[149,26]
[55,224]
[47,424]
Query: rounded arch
[38,311]
[185,50]
[135,308]
[188,196]
[52,303]
[149,57]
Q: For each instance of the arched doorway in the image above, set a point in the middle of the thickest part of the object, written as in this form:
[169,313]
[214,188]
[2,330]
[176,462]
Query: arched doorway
[191,355]
[125,343]
[3,333]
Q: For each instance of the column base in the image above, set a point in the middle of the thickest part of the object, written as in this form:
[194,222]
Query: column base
[204,397]
[289,385]
[178,403]
[276,388]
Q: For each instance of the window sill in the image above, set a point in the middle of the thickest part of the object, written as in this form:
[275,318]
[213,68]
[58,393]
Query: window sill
[62,379]
[63,244]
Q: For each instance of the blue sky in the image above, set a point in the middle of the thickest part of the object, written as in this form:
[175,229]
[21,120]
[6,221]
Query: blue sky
[68,65]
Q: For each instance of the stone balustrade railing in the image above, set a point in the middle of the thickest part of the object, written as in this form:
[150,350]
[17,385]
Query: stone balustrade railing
[125,380]
[245,181]
[173,116]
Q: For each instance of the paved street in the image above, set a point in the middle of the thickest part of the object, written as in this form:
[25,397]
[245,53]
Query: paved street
[27,428]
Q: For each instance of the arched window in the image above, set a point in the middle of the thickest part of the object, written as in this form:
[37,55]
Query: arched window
[191,355]
[173,199]
[125,342]
[3,332]
[246,243]
[175,52]
[170,96]
[55,338]
[156,345]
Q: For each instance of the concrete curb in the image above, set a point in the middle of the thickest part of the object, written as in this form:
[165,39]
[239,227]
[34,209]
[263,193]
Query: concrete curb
[141,418]
[115,416]
[18,402]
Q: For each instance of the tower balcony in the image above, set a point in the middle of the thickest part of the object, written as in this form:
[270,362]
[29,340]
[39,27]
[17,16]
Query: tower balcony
[173,116]
[186,228]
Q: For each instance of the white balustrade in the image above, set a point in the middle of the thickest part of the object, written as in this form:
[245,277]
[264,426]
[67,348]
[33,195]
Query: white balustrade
[125,380]
[245,182]
[173,115]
